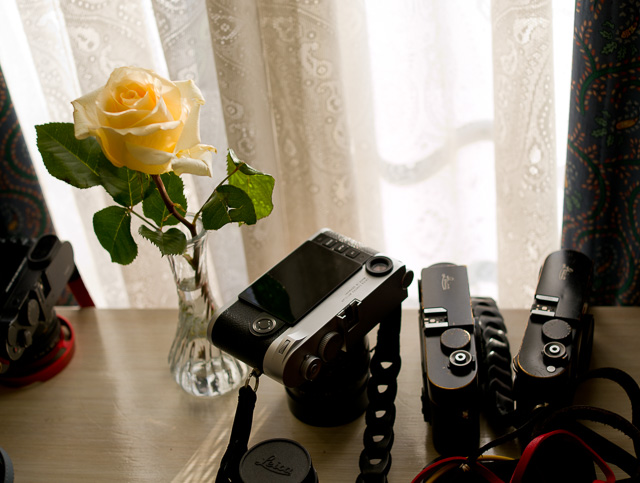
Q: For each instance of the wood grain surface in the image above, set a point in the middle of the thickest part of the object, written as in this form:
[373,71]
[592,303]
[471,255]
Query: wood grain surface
[115,413]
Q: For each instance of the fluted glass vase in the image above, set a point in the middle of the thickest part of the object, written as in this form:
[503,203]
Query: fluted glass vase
[200,368]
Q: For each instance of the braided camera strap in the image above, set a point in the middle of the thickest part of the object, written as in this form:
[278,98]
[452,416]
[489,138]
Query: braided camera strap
[375,458]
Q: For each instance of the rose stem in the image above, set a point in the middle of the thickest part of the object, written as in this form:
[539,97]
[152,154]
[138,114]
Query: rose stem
[171,206]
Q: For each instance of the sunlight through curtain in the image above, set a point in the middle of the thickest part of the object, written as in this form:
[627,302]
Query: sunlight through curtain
[423,129]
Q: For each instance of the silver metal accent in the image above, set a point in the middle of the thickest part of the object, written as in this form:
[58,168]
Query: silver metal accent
[547,298]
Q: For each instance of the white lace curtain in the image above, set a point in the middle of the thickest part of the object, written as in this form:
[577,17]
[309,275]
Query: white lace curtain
[424,129]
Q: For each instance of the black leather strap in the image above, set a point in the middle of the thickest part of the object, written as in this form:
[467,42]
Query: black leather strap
[240,433]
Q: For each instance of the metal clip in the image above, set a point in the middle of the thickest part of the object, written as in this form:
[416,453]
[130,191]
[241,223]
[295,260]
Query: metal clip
[255,373]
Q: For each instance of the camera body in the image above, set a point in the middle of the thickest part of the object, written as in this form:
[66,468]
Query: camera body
[35,278]
[314,308]
[451,390]
[557,343]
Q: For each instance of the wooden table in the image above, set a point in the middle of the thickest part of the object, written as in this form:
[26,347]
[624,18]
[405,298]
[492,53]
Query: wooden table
[115,414]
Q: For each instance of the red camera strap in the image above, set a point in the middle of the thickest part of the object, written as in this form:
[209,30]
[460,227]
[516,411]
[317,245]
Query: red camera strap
[534,445]
[561,445]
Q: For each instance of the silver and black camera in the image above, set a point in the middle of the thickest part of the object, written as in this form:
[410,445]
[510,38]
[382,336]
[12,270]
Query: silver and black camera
[557,343]
[304,322]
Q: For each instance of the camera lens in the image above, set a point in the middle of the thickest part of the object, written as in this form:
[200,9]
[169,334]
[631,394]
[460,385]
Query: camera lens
[379,265]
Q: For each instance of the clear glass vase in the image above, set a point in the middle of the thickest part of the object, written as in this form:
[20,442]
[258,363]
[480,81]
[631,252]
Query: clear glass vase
[200,368]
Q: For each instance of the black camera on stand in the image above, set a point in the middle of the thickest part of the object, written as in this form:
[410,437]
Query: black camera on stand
[35,343]
[557,343]
[304,324]
[465,359]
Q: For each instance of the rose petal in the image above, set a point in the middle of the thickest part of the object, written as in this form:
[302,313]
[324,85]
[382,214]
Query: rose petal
[141,131]
[189,90]
[191,166]
[84,120]
[171,97]
[147,160]
[191,132]
[200,153]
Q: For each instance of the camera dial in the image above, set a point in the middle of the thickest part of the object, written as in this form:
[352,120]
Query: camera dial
[554,352]
[454,339]
[310,367]
[461,362]
[330,346]
[556,330]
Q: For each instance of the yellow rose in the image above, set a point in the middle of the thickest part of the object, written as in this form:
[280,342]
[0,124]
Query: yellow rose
[145,122]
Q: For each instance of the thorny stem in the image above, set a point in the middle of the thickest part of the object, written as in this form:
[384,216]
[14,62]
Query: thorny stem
[171,206]
[195,261]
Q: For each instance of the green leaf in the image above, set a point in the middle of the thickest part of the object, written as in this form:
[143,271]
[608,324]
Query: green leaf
[257,185]
[126,187]
[153,206]
[82,164]
[113,229]
[171,242]
[69,159]
[228,204]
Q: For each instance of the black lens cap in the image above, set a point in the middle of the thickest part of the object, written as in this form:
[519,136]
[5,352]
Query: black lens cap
[6,467]
[277,460]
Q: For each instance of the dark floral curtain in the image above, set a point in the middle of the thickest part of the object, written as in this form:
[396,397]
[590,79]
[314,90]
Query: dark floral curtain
[602,192]
[23,212]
